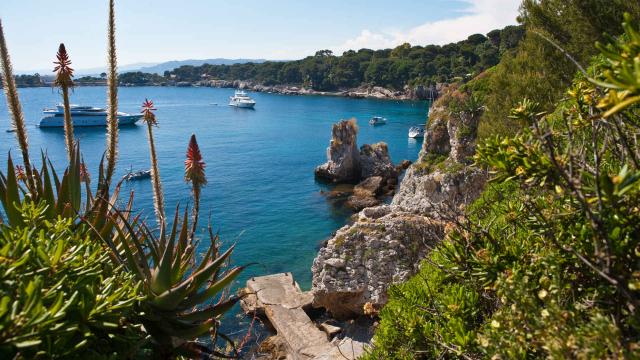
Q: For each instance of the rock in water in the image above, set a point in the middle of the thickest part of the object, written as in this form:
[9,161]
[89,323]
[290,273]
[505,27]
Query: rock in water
[375,161]
[366,192]
[343,158]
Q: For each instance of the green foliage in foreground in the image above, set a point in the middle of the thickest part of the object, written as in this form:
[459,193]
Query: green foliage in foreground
[61,295]
[81,276]
[546,264]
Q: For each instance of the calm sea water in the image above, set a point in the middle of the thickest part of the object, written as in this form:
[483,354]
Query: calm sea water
[261,192]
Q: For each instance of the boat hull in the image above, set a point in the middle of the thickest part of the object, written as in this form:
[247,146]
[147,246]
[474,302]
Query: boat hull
[87,120]
[243,105]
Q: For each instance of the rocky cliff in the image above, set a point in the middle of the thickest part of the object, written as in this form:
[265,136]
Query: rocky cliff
[353,271]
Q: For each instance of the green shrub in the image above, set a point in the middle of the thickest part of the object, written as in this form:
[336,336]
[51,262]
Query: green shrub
[61,295]
[548,257]
[92,304]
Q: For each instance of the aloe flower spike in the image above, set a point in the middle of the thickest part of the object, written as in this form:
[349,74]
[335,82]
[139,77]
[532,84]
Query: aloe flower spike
[63,80]
[194,173]
[158,196]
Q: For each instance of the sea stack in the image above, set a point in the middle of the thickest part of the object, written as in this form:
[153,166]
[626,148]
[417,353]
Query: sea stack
[343,158]
[369,167]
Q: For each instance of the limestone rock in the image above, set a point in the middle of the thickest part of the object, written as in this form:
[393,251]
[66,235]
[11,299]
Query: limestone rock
[436,136]
[376,253]
[386,243]
[273,348]
[421,193]
[343,157]
[375,161]
[366,192]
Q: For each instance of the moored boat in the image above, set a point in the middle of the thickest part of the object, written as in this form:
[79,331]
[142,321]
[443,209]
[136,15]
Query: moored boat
[377,120]
[416,132]
[137,175]
[241,100]
[84,116]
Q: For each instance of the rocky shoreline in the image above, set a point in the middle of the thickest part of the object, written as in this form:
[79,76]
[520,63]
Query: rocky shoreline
[361,92]
[385,244]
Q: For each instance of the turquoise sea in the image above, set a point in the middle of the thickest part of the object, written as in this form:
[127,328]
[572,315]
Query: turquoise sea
[261,193]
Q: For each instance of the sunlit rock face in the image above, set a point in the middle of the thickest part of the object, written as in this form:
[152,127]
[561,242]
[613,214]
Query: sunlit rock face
[385,245]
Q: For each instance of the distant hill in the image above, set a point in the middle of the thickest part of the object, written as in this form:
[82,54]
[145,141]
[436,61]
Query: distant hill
[148,67]
[170,65]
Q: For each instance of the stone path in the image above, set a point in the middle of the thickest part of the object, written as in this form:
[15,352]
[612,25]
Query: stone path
[279,298]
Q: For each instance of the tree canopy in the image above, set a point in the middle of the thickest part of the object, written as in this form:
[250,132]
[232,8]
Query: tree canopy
[391,68]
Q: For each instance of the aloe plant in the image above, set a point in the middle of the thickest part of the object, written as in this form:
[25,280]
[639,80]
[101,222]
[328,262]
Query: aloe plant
[182,294]
[179,289]
[178,307]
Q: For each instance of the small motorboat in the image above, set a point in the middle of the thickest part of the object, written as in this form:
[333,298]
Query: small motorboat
[377,120]
[416,132]
[137,175]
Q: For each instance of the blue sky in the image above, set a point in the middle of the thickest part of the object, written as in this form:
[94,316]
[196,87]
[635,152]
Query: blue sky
[161,30]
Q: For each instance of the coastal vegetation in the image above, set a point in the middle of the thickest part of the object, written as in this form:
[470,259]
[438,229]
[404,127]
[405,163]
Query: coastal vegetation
[390,68]
[81,276]
[405,65]
[545,264]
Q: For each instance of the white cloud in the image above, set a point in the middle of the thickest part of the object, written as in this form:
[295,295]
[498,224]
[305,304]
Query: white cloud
[480,16]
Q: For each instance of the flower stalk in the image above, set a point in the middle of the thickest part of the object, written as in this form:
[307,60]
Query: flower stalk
[64,74]
[194,173]
[158,196]
[112,98]
[14,106]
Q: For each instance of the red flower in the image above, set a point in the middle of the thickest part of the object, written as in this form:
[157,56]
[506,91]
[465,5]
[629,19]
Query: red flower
[64,71]
[194,166]
[84,173]
[20,174]
[147,111]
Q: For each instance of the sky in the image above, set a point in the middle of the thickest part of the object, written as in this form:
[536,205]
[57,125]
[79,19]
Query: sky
[152,31]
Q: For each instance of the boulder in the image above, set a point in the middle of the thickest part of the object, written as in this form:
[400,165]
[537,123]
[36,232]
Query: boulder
[366,192]
[343,157]
[375,161]
[373,253]
[371,186]
[404,165]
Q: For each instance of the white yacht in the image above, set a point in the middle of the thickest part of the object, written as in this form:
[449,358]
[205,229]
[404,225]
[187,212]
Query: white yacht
[416,132]
[377,120]
[242,100]
[84,116]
